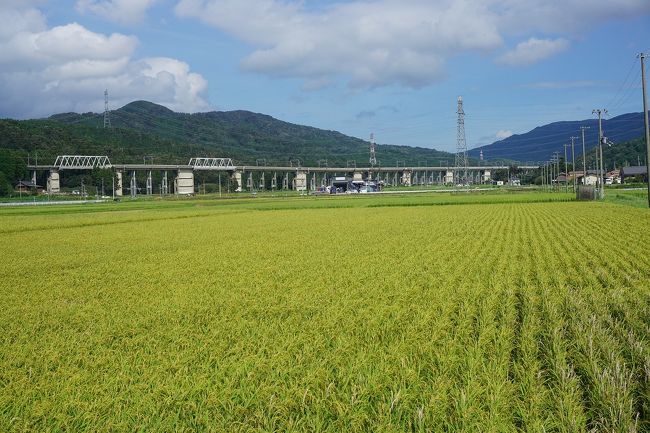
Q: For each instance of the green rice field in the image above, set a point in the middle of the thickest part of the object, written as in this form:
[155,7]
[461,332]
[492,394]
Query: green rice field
[487,312]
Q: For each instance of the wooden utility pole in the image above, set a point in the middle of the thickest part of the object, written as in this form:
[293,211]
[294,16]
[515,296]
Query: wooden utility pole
[647,128]
[601,169]
[566,171]
[573,161]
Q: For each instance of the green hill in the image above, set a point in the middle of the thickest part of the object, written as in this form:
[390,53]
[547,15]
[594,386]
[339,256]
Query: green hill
[244,136]
[143,129]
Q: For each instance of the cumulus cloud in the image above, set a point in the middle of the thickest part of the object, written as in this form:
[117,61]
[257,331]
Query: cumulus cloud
[503,134]
[533,50]
[120,11]
[371,43]
[66,68]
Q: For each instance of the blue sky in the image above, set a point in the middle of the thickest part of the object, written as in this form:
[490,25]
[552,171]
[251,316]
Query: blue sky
[390,67]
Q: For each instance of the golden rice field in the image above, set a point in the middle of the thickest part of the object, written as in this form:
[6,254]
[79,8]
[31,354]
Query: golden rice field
[338,315]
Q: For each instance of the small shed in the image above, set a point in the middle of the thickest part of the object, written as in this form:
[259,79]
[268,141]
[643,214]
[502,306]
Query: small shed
[28,187]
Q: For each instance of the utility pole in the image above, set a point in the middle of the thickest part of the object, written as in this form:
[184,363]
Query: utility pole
[557,169]
[601,173]
[584,155]
[566,171]
[647,128]
[573,161]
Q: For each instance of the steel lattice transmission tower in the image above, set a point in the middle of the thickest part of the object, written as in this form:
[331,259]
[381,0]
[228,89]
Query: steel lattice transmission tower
[107,113]
[461,146]
[373,150]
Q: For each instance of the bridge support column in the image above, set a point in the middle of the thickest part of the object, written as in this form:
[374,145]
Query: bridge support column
[300,181]
[236,176]
[118,183]
[487,176]
[149,183]
[134,185]
[164,187]
[185,181]
[34,177]
[274,181]
[249,182]
[313,182]
[449,177]
[406,177]
[285,181]
[262,184]
[53,182]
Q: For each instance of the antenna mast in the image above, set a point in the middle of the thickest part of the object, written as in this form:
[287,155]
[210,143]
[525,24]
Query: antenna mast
[107,113]
[373,150]
[461,146]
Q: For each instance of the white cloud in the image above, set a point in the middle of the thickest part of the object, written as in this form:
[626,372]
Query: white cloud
[120,11]
[396,42]
[533,50]
[66,68]
[503,134]
[370,43]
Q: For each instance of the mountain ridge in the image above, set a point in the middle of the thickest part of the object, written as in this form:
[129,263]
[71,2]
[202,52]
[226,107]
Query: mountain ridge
[248,136]
[538,144]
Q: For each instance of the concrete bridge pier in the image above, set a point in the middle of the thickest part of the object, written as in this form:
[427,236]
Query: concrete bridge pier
[487,176]
[274,181]
[236,177]
[300,181]
[449,177]
[53,182]
[149,183]
[118,183]
[285,181]
[313,182]
[185,181]
[406,177]
[262,183]
[249,181]
[134,185]
[164,187]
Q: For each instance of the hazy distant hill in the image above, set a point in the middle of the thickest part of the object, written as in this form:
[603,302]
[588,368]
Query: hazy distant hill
[540,143]
[243,136]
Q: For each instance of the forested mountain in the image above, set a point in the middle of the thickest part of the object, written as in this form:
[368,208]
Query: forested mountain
[540,143]
[242,135]
[143,129]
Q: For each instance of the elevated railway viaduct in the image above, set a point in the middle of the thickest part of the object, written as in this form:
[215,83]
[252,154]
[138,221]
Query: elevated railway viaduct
[251,177]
